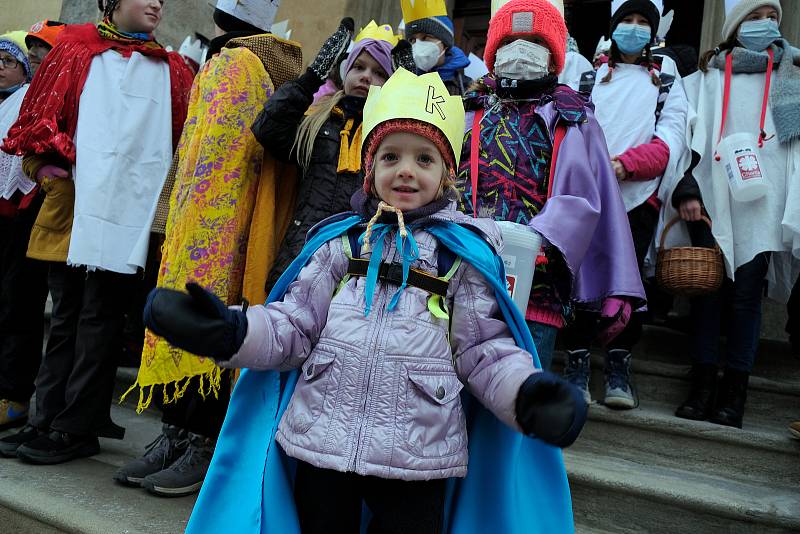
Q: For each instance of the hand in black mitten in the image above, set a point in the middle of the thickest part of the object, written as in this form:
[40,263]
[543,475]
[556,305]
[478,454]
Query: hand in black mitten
[197,322]
[333,48]
[402,56]
[551,409]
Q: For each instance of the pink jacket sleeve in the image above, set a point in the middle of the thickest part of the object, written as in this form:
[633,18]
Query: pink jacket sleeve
[646,161]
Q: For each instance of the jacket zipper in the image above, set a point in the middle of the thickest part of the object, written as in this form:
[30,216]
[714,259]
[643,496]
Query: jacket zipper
[371,357]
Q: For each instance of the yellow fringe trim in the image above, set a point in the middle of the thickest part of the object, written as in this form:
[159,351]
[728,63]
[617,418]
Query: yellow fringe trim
[209,385]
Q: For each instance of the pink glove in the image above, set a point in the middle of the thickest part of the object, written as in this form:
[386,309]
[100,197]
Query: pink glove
[51,171]
[614,315]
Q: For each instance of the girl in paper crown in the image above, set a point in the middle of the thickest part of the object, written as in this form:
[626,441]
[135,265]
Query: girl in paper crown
[385,343]
[518,116]
[760,72]
[641,106]
[324,138]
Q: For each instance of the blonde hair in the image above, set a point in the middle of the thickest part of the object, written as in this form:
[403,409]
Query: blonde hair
[309,128]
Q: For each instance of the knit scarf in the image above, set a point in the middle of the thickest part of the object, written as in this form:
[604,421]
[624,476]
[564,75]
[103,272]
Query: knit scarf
[785,93]
[108,30]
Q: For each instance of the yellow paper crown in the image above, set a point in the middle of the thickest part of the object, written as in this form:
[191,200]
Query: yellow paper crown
[422,98]
[497,4]
[383,32]
[422,9]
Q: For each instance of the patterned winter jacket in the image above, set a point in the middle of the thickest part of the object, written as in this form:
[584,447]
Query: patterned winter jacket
[514,173]
[380,394]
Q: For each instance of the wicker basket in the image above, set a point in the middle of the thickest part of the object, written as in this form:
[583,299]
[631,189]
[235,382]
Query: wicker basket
[689,271]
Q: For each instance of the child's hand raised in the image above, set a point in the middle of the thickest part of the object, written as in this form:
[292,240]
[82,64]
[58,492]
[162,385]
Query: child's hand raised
[197,322]
[551,409]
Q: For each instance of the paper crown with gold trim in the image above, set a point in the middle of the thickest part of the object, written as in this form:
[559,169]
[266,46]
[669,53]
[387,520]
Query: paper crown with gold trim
[422,9]
[422,98]
[497,4]
[259,13]
[384,32]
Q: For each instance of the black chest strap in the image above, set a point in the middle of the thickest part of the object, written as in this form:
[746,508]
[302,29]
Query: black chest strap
[393,273]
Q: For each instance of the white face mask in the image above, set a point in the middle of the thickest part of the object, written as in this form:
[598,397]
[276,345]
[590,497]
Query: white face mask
[522,60]
[426,54]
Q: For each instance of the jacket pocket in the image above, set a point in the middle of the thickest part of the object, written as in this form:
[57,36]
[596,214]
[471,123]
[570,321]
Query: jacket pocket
[434,421]
[309,395]
[57,208]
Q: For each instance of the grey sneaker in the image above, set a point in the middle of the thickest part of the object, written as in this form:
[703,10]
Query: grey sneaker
[159,455]
[186,474]
[577,371]
[619,393]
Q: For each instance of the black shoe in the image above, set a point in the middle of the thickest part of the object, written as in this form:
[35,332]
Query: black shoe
[731,399]
[697,406]
[159,455]
[57,448]
[10,444]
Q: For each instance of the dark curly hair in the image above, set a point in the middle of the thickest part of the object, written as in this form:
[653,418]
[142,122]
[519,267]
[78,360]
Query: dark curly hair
[107,6]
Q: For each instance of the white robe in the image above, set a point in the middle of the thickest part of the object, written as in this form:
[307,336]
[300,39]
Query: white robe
[124,148]
[625,108]
[12,179]
[574,67]
[744,229]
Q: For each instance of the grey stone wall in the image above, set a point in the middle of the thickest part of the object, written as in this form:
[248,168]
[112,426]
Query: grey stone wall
[181,18]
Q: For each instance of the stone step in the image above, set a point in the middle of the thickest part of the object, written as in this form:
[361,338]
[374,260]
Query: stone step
[758,453]
[772,399]
[774,359]
[624,496]
[81,497]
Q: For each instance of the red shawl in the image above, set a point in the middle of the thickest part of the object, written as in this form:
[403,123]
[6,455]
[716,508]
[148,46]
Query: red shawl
[49,113]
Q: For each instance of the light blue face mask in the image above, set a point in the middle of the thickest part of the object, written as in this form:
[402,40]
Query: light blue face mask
[631,38]
[757,35]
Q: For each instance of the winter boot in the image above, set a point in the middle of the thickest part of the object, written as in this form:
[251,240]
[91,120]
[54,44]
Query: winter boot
[619,393]
[12,414]
[159,455]
[577,371]
[186,474]
[697,406]
[731,398]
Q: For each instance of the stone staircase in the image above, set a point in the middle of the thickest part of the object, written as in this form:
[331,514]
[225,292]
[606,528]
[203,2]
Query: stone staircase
[645,470]
[640,471]
[80,497]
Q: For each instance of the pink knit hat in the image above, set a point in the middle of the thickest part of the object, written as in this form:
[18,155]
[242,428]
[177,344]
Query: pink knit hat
[423,129]
[525,18]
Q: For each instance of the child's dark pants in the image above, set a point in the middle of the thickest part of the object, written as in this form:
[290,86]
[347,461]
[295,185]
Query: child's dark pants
[330,501]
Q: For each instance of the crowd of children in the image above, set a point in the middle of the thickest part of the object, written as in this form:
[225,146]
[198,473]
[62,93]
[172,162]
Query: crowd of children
[389,378]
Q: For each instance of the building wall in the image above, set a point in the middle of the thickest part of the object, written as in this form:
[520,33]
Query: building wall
[181,18]
[22,14]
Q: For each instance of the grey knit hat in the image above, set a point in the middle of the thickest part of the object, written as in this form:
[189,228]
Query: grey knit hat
[737,10]
[439,27]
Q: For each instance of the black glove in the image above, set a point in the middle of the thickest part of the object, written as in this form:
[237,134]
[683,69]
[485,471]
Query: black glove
[333,48]
[197,322]
[551,409]
[402,56]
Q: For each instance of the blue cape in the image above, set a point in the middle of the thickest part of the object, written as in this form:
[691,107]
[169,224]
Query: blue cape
[515,485]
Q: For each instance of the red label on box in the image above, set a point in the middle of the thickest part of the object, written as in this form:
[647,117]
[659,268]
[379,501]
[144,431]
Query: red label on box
[511,283]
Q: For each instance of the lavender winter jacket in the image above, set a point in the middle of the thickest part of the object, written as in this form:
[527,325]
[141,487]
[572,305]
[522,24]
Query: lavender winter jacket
[379,395]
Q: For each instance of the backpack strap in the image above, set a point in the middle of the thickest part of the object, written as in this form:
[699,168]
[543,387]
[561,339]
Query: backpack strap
[558,138]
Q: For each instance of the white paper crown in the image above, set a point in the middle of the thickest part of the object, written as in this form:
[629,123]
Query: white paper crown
[194,50]
[259,13]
